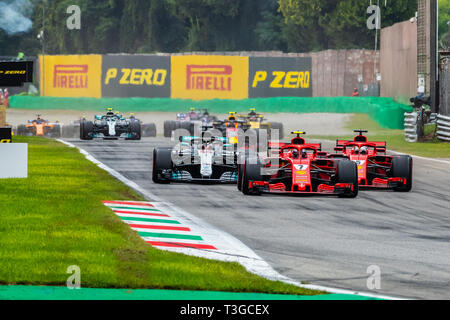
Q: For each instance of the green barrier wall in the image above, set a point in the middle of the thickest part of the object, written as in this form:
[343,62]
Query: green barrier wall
[385,111]
[63,293]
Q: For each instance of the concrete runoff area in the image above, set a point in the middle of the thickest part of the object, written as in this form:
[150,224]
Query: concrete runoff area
[320,240]
[315,123]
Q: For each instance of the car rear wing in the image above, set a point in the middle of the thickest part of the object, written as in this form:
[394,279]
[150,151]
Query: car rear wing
[279,145]
[380,145]
[341,143]
[318,146]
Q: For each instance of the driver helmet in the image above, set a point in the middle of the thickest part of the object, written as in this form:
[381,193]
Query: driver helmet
[304,153]
[295,153]
[363,150]
[356,150]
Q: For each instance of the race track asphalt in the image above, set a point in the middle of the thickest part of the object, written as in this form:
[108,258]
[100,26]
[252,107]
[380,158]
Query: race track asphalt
[320,240]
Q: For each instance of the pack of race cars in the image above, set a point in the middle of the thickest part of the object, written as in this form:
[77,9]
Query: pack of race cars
[246,150]
[110,126]
[292,168]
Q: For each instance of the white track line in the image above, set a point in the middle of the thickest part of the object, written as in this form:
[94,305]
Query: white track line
[422,158]
[231,249]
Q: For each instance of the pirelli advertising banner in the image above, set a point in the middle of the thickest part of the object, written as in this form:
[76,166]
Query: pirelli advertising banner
[136,76]
[15,73]
[280,77]
[196,77]
[209,77]
[71,76]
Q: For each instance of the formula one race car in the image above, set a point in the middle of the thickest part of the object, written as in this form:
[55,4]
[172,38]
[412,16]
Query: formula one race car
[188,121]
[110,126]
[299,169]
[375,168]
[196,159]
[257,121]
[230,127]
[39,127]
[72,130]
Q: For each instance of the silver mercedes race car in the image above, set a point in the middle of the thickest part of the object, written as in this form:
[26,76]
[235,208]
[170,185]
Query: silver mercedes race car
[196,159]
[111,126]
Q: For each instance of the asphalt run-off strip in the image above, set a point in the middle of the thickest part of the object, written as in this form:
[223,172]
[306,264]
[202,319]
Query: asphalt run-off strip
[157,227]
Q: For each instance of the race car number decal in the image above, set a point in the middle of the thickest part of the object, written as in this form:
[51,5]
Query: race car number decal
[301,167]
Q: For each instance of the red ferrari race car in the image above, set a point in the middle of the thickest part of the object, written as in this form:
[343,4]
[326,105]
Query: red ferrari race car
[299,168]
[375,168]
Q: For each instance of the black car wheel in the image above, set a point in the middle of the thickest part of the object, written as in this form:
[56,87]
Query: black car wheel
[347,172]
[86,127]
[162,160]
[251,171]
[402,167]
[135,130]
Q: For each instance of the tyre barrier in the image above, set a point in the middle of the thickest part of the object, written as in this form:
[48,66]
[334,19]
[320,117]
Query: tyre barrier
[443,128]
[411,127]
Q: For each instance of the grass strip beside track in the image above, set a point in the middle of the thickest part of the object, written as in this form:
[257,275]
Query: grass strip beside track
[56,219]
[432,148]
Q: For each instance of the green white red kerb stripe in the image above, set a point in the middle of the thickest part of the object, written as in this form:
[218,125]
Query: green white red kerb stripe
[155,227]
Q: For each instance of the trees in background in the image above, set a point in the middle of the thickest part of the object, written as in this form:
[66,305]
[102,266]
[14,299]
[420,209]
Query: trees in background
[323,24]
[444,18]
[143,26]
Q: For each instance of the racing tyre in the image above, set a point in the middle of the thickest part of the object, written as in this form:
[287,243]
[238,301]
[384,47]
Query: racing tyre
[239,174]
[162,160]
[402,168]
[86,127]
[347,172]
[243,154]
[168,128]
[135,130]
[149,130]
[250,172]
[186,125]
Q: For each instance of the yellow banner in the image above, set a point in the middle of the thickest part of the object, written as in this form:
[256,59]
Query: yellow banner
[209,77]
[71,76]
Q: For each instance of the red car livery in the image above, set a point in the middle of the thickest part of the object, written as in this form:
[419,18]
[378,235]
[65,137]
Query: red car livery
[298,168]
[375,168]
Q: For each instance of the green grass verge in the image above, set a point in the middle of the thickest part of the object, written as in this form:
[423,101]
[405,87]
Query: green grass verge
[395,139]
[55,219]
